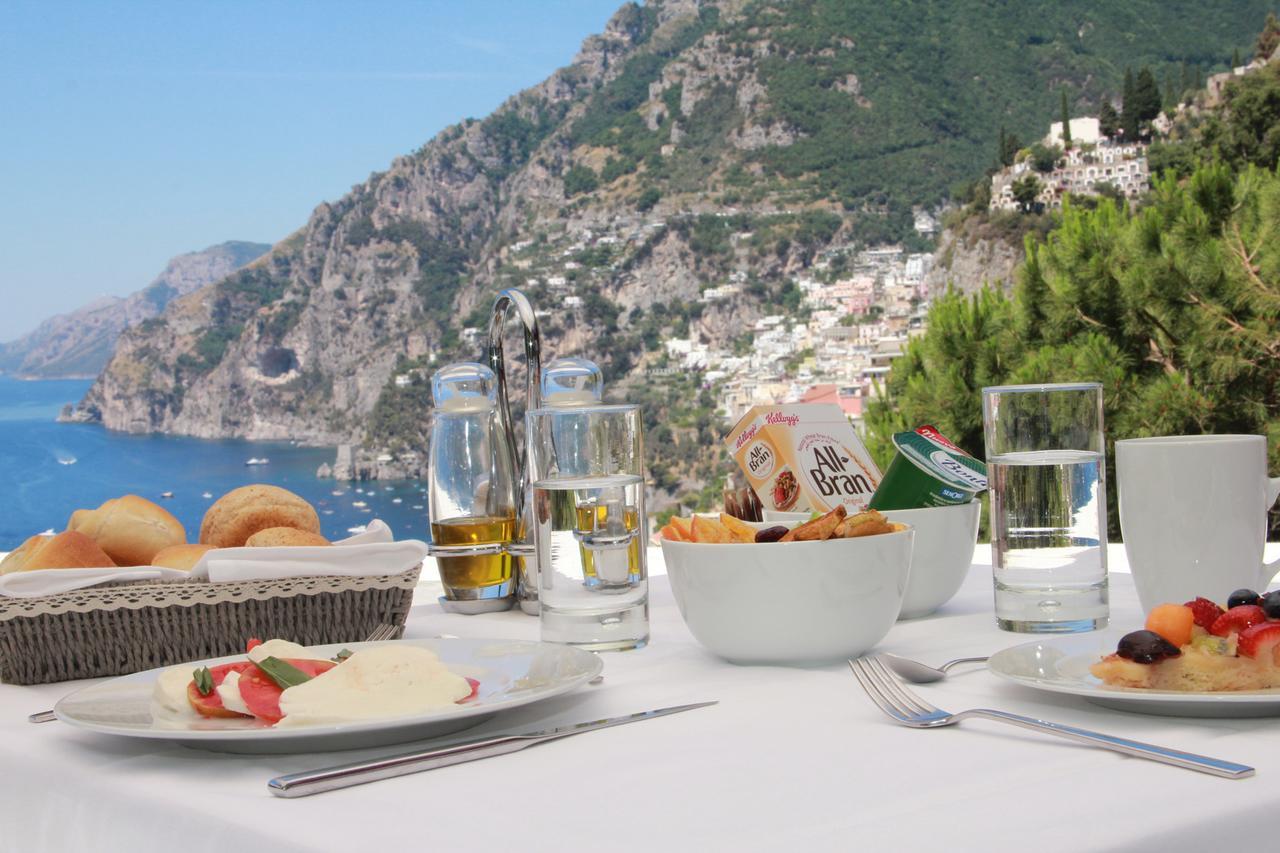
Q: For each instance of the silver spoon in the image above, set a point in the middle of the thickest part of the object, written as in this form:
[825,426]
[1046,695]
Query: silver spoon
[920,673]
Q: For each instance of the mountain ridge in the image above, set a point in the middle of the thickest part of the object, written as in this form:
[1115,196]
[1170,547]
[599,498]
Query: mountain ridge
[688,143]
[79,343]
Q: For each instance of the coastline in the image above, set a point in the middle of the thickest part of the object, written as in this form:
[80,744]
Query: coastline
[54,468]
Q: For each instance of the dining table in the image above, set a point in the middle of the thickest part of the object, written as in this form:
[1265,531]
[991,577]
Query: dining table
[791,758]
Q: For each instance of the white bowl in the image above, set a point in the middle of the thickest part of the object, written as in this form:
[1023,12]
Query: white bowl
[943,553]
[778,516]
[790,602]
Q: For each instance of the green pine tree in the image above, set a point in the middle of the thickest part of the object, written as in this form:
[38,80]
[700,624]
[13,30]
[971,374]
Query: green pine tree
[1128,107]
[1108,120]
[1170,99]
[970,344]
[1175,309]
[1268,39]
[1010,145]
[1146,96]
[1066,123]
[1025,192]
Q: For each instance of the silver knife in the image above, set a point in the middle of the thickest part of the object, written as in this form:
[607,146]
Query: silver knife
[311,782]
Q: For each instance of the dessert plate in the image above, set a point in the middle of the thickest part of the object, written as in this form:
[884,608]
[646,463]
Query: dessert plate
[511,673]
[1061,665]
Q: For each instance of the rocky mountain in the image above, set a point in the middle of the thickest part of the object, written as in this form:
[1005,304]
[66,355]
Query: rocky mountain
[978,248]
[80,343]
[691,144]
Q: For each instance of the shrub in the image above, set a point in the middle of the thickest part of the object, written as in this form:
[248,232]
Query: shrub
[578,180]
[648,199]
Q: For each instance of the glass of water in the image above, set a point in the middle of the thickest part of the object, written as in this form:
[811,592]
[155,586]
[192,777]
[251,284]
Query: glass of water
[586,469]
[1046,465]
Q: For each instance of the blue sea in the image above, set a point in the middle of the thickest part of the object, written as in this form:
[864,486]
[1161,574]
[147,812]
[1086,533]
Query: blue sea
[48,469]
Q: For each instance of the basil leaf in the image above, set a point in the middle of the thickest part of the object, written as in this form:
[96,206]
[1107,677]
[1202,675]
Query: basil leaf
[342,655]
[283,673]
[204,680]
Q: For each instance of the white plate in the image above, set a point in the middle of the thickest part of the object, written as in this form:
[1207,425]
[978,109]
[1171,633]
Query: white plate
[1061,665]
[511,674]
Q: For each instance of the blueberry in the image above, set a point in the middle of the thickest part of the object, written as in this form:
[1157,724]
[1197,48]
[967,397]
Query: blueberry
[1271,604]
[1146,647]
[1242,596]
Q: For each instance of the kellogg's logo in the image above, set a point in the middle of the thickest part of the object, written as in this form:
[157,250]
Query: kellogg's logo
[779,418]
[760,459]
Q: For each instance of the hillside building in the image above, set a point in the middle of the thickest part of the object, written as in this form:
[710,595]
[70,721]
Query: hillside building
[1218,82]
[1085,130]
[1081,171]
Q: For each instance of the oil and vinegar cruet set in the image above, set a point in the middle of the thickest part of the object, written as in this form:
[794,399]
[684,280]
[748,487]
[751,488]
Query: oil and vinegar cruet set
[557,526]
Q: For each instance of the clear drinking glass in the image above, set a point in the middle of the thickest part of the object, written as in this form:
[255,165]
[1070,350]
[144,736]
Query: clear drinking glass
[1046,465]
[586,466]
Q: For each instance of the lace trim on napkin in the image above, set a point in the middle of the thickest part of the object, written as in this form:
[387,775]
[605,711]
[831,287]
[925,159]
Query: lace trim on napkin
[189,593]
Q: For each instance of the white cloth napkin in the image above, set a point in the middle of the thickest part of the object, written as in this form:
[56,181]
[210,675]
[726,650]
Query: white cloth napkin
[373,552]
[51,581]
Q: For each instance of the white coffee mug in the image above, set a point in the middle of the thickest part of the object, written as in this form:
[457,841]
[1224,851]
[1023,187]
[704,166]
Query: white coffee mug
[1193,513]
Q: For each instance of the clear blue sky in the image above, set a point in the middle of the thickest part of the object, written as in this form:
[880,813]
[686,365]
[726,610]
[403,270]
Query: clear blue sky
[131,132]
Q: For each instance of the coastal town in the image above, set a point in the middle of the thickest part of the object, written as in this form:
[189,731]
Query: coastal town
[836,349]
[857,308]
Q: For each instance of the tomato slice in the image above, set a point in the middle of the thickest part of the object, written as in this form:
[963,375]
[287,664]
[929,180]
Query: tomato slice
[262,695]
[475,690]
[211,705]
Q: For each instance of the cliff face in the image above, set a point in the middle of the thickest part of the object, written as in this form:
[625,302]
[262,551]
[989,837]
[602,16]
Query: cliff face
[967,261]
[301,343]
[80,343]
[692,144]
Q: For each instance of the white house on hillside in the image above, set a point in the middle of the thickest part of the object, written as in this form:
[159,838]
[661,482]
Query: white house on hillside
[1084,131]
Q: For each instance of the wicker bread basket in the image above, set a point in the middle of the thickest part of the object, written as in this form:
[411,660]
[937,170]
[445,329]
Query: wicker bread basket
[119,628]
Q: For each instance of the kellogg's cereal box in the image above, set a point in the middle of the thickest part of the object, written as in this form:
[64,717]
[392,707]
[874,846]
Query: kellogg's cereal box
[803,457]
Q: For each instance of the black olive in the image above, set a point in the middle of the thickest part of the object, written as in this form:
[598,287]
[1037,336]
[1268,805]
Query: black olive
[1146,647]
[771,534]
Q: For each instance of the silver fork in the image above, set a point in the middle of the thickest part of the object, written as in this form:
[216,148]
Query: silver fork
[384,632]
[379,634]
[892,697]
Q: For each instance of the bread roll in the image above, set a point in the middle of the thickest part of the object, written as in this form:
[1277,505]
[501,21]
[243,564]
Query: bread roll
[67,550]
[242,512]
[130,529]
[274,537]
[15,559]
[183,557]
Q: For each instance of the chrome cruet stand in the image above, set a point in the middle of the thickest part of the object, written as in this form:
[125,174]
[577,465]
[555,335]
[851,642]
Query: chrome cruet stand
[522,551]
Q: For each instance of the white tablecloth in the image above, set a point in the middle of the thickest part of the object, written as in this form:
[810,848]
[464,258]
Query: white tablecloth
[791,759]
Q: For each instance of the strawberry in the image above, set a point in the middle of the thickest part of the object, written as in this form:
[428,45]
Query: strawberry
[1237,619]
[1205,611]
[1259,640]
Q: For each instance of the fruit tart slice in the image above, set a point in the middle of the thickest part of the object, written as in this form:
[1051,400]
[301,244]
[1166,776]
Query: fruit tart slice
[1199,647]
